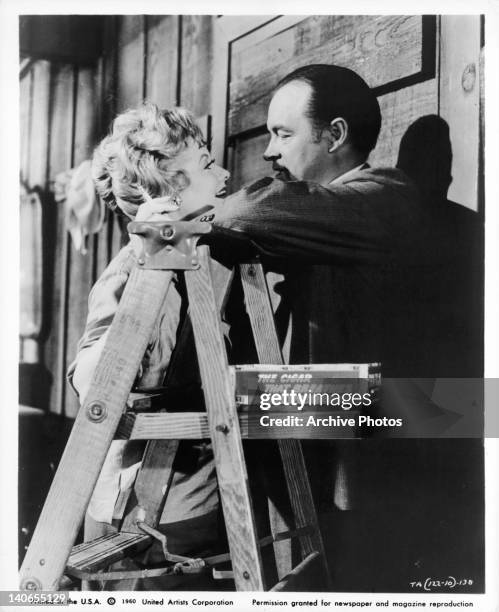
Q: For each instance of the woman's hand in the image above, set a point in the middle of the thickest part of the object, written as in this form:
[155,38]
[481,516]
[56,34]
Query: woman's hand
[156,209]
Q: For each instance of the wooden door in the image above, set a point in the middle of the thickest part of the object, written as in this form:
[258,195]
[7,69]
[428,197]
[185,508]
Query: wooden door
[418,66]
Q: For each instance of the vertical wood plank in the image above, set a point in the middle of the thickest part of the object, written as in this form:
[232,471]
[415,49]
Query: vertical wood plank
[100,258]
[162,60]
[261,317]
[60,157]
[130,49]
[196,71]
[86,115]
[218,92]
[80,273]
[31,217]
[38,144]
[460,101]
[399,109]
[25,104]
[107,70]
[130,61]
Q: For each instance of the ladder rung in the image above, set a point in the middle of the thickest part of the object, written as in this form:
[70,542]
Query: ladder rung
[99,553]
[163,426]
[286,535]
[194,425]
[301,577]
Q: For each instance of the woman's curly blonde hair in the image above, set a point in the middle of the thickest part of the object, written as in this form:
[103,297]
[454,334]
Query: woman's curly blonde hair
[134,157]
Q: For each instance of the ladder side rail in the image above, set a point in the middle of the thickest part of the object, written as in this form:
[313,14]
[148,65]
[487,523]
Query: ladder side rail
[93,430]
[259,310]
[223,423]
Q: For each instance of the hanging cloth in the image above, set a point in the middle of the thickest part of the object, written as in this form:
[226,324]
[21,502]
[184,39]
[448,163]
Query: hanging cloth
[84,209]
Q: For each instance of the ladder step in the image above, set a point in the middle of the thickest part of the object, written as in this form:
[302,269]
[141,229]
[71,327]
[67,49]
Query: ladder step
[163,426]
[99,553]
[194,426]
[304,576]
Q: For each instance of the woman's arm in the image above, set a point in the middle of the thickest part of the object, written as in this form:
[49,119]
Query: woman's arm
[102,306]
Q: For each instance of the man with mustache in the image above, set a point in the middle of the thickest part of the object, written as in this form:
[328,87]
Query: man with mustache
[348,239]
[354,227]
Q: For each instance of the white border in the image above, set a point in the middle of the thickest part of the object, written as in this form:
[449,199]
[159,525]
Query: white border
[9,244]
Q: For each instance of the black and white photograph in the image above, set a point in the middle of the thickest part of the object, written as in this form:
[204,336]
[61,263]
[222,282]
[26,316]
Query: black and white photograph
[253,355]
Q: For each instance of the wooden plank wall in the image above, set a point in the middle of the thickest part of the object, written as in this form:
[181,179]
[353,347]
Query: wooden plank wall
[395,54]
[169,60]
[143,57]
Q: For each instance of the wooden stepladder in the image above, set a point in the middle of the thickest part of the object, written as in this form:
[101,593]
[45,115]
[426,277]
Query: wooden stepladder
[168,247]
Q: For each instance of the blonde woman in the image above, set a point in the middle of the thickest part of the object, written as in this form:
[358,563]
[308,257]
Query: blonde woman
[152,161]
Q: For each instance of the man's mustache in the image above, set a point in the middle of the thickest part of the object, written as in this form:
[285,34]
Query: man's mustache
[281,170]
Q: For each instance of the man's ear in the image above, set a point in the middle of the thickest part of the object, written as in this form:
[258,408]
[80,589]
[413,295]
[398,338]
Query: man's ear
[338,133]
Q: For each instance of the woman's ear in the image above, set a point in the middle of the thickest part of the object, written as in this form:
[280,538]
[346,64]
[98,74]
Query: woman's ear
[338,133]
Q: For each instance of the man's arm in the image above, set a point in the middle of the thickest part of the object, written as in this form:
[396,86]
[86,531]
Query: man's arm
[361,220]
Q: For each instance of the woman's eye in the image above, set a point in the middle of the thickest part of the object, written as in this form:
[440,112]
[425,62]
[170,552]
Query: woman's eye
[209,164]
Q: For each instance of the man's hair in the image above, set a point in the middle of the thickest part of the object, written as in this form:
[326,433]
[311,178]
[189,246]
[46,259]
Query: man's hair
[340,92]
[136,155]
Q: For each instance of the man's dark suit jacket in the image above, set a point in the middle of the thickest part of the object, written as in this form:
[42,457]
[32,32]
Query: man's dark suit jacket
[352,258]
[358,270]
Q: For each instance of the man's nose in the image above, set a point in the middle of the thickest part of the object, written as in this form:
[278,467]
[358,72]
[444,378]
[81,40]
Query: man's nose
[270,153]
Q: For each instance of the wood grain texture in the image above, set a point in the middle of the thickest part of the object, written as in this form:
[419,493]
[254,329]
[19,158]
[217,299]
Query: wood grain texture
[162,60]
[130,61]
[459,102]
[382,49]
[303,576]
[106,93]
[30,264]
[300,494]
[25,108]
[246,160]
[224,428]
[196,70]
[81,265]
[38,143]
[60,156]
[259,310]
[89,441]
[109,71]
[99,554]
[194,425]
[164,426]
[108,83]
[152,484]
[399,110]
[101,240]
